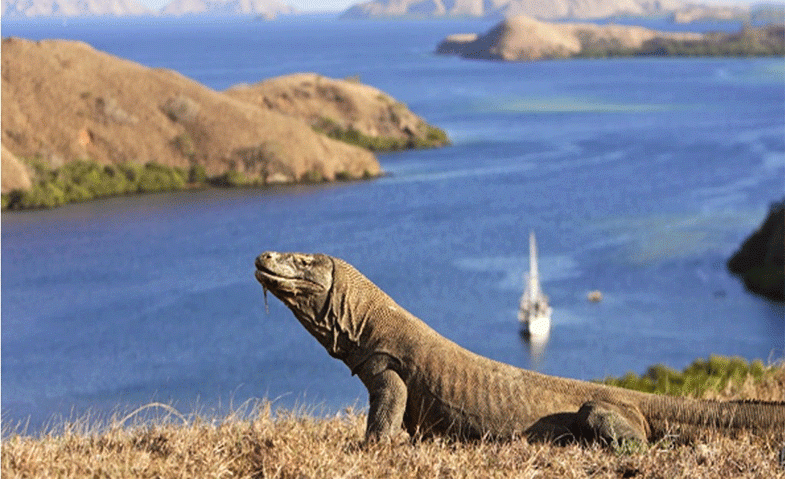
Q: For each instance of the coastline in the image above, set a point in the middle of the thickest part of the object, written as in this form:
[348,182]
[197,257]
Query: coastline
[126,128]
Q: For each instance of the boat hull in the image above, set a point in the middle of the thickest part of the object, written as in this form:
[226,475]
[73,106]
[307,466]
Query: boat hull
[536,324]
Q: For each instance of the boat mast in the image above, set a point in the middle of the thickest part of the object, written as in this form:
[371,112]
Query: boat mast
[534,280]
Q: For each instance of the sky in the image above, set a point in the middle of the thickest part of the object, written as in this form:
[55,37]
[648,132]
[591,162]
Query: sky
[340,5]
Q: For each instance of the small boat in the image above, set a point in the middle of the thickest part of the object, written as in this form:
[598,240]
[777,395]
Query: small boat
[534,313]
[594,296]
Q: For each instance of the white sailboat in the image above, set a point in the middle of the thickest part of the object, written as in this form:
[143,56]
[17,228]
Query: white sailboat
[534,313]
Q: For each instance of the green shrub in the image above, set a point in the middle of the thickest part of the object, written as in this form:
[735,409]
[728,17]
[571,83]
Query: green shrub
[76,193]
[343,175]
[155,177]
[433,137]
[231,178]
[116,181]
[312,176]
[197,174]
[84,180]
[714,374]
[42,195]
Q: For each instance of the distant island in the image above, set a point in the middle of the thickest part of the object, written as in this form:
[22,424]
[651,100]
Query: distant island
[108,126]
[261,9]
[523,38]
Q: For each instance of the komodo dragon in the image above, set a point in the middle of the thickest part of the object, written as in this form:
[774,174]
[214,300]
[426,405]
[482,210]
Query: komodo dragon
[418,379]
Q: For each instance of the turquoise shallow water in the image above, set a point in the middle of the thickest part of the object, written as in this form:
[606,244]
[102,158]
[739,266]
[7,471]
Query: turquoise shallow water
[639,177]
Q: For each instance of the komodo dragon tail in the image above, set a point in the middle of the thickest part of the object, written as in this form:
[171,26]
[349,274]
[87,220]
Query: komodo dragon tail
[687,419]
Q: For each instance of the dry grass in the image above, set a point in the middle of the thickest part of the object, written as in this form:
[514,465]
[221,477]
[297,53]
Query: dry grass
[256,442]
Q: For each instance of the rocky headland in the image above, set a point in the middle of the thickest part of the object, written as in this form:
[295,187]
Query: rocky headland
[760,261]
[523,38]
[65,104]
[343,109]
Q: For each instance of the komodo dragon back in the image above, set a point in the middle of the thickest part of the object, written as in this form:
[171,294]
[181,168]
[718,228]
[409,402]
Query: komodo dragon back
[422,382]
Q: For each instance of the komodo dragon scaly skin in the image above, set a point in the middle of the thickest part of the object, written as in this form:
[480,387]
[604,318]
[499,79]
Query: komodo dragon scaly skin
[426,383]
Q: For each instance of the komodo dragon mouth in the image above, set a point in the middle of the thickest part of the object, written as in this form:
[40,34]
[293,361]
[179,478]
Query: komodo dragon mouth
[293,274]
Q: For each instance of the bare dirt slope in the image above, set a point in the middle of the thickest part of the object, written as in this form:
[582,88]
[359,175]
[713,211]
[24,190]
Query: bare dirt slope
[14,175]
[64,100]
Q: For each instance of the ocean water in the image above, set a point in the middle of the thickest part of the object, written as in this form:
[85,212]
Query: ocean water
[640,177]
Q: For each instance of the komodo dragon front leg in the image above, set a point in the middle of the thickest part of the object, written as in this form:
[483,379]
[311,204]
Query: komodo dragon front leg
[387,396]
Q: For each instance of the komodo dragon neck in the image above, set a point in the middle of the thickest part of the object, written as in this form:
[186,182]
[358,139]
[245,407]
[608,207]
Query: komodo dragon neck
[420,380]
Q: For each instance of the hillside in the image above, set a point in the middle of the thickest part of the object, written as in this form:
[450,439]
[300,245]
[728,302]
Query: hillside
[64,101]
[343,109]
[506,8]
[523,38]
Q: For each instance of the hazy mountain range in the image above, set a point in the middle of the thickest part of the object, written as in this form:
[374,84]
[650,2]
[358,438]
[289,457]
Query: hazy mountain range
[543,9]
[265,8]
[72,8]
[679,10]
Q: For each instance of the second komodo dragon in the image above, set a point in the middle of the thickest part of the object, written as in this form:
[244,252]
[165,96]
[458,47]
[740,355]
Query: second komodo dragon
[419,380]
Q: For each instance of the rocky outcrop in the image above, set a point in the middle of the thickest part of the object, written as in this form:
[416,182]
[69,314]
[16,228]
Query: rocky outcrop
[506,8]
[760,261]
[14,174]
[344,109]
[64,101]
[72,8]
[523,38]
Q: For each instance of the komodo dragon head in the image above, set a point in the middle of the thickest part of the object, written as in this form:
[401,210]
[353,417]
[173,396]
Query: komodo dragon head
[323,293]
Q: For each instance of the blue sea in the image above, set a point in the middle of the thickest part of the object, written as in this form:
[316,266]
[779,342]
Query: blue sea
[640,177]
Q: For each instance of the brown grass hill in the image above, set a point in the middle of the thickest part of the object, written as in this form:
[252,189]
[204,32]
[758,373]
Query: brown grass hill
[523,38]
[343,109]
[65,101]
